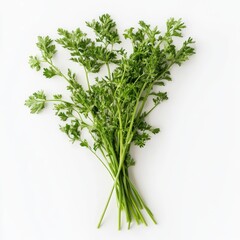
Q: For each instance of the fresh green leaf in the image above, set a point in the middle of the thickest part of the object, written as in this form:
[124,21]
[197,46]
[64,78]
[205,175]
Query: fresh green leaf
[49,72]
[84,143]
[46,46]
[34,63]
[36,102]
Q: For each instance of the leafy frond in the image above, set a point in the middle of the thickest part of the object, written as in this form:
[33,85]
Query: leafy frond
[36,102]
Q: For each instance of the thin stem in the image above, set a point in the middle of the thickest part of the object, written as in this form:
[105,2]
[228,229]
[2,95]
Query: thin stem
[101,161]
[119,210]
[109,71]
[104,211]
[114,185]
[121,152]
[127,208]
[55,100]
[128,139]
[49,61]
[101,150]
[87,78]
[148,112]
[150,88]
[145,99]
[110,149]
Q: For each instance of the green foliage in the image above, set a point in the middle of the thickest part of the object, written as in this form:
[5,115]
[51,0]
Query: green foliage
[105,30]
[46,46]
[34,63]
[160,96]
[185,52]
[36,102]
[72,130]
[49,72]
[113,108]
[87,52]
[175,27]
[82,49]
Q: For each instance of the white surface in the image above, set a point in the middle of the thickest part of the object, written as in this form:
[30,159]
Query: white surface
[188,174]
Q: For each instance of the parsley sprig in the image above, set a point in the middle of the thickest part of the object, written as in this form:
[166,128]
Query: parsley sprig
[112,108]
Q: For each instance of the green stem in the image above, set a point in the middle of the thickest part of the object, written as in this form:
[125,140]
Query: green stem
[109,71]
[119,209]
[110,195]
[110,149]
[149,89]
[125,201]
[138,211]
[105,208]
[128,140]
[141,200]
[56,100]
[148,112]
[87,78]
[49,61]
[101,161]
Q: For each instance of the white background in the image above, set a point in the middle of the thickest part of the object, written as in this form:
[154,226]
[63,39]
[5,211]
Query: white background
[188,174]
